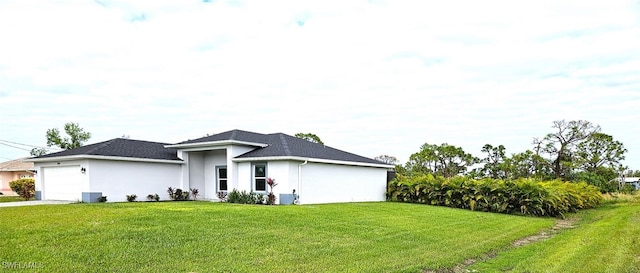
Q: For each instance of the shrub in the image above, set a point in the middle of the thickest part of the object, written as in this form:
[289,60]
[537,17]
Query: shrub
[182,195]
[194,193]
[244,197]
[102,199]
[258,198]
[131,197]
[271,197]
[172,192]
[222,196]
[25,187]
[153,197]
[522,196]
[177,194]
[233,196]
[605,184]
[628,189]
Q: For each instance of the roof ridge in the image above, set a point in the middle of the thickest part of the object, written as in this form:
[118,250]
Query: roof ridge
[233,134]
[285,144]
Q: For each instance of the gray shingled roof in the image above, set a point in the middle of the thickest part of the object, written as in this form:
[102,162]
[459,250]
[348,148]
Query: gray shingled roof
[277,145]
[121,147]
[281,145]
[285,145]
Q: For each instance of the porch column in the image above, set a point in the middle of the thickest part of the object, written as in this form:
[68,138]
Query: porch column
[184,181]
[232,170]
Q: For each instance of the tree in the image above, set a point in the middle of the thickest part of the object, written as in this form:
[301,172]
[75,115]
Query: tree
[527,165]
[603,178]
[632,173]
[387,159]
[309,137]
[445,160]
[38,151]
[76,136]
[600,150]
[496,163]
[561,144]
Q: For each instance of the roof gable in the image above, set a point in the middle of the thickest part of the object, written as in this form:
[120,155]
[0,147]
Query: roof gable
[120,147]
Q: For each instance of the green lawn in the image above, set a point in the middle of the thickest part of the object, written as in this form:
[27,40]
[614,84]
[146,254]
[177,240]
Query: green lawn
[5,198]
[220,237]
[606,239]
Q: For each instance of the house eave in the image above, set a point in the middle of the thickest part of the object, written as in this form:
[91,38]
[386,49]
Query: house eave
[314,160]
[15,170]
[102,157]
[210,144]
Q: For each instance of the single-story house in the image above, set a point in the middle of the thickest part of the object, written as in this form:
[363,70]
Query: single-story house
[14,170]
[633,181]
[222,162]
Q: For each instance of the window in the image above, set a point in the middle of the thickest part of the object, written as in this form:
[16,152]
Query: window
[222,179]
[260,177]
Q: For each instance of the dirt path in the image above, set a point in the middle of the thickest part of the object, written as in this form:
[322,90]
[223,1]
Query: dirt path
[546,234]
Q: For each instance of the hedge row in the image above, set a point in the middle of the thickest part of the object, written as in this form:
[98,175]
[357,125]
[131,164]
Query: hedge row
[523,196]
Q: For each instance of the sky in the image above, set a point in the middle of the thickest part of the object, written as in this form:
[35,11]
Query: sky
[369,77]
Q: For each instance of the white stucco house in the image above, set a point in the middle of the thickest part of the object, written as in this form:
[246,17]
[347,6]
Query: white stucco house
[632,181]
[222,162]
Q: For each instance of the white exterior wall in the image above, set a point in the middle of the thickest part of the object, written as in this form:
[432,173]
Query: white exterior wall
[184,170]
[234,171]
[212,159]
[284,172]
[196,172]
[293,177]
[244,176]
[321,183]
[331,183]
[40,174]
[286,175]
[116,179]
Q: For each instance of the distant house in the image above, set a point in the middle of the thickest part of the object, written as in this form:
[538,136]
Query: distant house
[222,162]
[633,181]
[14,170]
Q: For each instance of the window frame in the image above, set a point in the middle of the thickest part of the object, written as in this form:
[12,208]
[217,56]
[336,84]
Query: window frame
[218,168]
[254,178]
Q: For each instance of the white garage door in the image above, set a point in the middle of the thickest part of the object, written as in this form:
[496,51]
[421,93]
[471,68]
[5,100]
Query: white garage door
[62,183]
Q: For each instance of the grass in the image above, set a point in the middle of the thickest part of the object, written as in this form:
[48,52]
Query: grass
[5,198]
[606,239]
[220,237]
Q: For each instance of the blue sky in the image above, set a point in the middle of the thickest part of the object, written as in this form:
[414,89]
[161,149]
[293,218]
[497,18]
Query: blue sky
[369,77]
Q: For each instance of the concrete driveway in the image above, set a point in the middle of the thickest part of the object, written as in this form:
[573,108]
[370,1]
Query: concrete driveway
[33,203]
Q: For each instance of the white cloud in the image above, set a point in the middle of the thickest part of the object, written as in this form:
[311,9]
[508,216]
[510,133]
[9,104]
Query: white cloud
[370,78]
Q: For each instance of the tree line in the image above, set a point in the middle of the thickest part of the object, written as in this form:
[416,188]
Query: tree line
[574,150]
